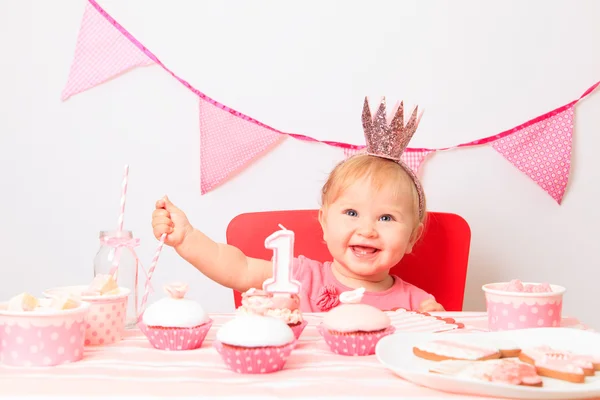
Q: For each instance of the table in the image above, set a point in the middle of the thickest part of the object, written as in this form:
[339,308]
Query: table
[132,368]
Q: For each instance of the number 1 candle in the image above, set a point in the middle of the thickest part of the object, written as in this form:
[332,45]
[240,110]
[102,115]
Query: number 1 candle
[282,244]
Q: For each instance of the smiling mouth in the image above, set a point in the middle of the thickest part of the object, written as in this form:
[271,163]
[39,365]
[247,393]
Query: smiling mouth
[364,251]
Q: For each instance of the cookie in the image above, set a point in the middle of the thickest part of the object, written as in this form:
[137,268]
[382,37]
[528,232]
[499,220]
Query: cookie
[505,370]
[439,350]
[507,348]
[560,364]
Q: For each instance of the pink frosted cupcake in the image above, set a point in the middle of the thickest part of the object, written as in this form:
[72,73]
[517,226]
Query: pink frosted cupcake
[353,329]
[175,323]
[283,306]
[255,344]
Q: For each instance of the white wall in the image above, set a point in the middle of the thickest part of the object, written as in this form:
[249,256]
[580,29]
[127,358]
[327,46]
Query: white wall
[476,67]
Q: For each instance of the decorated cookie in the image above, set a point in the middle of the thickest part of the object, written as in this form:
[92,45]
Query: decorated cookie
[560,364]
[509,371]
[442,349]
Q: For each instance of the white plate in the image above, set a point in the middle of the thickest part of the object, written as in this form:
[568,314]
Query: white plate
[396,353]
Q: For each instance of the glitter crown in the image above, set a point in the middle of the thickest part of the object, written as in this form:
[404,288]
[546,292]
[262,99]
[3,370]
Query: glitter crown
[388,140]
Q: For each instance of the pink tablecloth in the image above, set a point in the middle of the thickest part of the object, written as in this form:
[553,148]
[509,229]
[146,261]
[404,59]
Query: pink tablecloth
[133,368]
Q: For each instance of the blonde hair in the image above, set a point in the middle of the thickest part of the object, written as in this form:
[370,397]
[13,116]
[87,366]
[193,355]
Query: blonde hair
[381,172]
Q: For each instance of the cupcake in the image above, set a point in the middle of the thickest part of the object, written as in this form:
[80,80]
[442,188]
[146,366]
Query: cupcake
[255,344]
[284,306]
[353,329]
[175,323]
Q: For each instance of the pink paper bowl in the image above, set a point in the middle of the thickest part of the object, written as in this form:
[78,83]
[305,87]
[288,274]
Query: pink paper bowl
[106,320]
[518,310]
[42,338]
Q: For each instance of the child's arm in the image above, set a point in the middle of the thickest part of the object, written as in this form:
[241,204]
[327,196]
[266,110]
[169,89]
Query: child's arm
[430,305]
[222,263]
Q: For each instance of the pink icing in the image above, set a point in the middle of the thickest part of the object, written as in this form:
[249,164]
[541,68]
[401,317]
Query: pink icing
[328,298]
[559,365]
[560,360]
[514,373]
[578,361]
[283,306]
[594,359]
[517,286]
[457,350]
[506,370]
[355,318]
[177,290]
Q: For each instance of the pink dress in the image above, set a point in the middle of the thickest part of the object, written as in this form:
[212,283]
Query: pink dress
[320,289]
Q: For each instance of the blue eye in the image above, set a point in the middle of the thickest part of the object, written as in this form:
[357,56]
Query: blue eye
[351,213]
[386,217]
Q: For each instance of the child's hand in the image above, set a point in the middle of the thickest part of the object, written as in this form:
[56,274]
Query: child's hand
[430,305]
[169,219]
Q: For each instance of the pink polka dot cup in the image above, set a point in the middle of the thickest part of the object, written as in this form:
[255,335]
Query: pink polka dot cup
[509,310]
[43,337]
[106,319]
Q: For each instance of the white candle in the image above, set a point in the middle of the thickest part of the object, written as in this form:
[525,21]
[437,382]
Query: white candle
[282,244]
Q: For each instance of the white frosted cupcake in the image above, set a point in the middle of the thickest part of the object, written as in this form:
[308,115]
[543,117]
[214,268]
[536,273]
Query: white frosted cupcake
[281,305]
[175,323]
[255,344]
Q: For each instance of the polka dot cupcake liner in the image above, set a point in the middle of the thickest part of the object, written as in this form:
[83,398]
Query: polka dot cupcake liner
[297,329]
[34,339]
[353,344]
[176,339]
[263,360]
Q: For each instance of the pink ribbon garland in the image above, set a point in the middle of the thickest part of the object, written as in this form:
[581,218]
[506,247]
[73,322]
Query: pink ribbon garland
[238,114]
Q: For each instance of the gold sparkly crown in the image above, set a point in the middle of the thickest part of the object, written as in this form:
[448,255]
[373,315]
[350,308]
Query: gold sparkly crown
[388,140]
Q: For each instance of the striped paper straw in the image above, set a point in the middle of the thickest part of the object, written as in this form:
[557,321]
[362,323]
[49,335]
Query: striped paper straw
[151,272]
[123,197]
[114,270]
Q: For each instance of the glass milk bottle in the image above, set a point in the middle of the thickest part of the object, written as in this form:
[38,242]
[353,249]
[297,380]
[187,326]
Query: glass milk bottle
[122,242]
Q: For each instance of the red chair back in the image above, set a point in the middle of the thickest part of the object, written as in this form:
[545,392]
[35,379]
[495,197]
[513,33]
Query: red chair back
[437,264]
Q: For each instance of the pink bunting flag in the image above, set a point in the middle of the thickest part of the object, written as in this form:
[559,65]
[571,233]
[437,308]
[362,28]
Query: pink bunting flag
[415,159]
[228,143]
[541,149]
[350,152]
[412,158]
[102,52]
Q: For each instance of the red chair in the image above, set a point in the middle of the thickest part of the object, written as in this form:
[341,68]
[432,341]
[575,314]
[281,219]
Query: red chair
[437,264]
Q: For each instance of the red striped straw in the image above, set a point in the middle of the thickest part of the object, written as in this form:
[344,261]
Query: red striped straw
[151,271]
[123,197]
